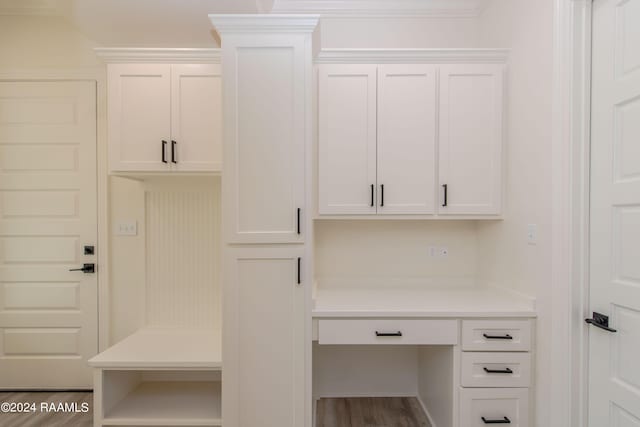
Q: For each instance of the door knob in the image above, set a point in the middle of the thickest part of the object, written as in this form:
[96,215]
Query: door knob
[600,321]
[86,268]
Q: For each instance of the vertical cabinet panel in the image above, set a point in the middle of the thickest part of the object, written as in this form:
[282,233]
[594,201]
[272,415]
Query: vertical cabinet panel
[406,139]
[264,144]
[471,99]
[139,116]
[196,117]
[347,139]
[264,314]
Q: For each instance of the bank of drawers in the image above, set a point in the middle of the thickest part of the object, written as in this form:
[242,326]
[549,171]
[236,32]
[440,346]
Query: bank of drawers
[495,373]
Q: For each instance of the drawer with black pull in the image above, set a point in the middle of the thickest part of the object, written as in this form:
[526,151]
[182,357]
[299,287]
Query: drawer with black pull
[496,335]
[388,331]
[495,369]
[482,407]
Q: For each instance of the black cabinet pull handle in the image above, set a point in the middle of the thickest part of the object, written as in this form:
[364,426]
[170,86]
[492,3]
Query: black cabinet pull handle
[505,420]
[601,321]
[299,280]
[298,220]
[498,371]
[173,152]
[372,195]
[498,337]
[445,195]
[381,194]
[164,144]
[389,334]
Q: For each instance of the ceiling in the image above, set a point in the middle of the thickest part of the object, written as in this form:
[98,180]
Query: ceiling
[181,23]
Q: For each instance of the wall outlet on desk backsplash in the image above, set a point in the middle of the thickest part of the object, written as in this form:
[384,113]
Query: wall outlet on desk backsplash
[438,251]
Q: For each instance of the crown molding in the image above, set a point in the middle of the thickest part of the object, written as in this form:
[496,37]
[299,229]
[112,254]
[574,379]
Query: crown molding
[265,23]
[383,8]
[411,56]
[158,55]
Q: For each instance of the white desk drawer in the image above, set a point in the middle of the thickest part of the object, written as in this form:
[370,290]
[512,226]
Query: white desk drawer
[387,331]
[496,369]
[496,335]
[480,406]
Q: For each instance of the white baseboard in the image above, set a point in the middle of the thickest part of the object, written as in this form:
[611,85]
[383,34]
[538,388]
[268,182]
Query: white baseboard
[426,411]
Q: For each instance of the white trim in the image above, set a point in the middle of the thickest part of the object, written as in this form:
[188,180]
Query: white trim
[412,56]
[383,8]
[272,23]
[570,213]
[158,55]
[98,76]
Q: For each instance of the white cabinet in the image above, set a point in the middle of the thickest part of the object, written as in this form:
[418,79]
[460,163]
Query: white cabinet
[376,139]
[406,138]
[265,133]
[347,139]
[471,109]
[164,117]
[410,139]
[264,327]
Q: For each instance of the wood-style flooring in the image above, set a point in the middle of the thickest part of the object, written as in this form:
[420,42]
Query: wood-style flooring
[44,418]
[370,412]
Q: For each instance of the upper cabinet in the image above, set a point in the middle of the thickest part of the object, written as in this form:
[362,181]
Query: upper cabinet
[411,139]
[164,117]
[471,134]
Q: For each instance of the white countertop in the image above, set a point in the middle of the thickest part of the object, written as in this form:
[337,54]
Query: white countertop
[415,301]
[164,348]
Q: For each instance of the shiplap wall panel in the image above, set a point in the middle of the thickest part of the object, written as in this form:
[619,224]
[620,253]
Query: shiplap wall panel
[182,227]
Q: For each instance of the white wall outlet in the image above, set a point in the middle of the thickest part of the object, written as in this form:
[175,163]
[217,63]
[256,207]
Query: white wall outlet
[532,234]
[127,228]
[444,252]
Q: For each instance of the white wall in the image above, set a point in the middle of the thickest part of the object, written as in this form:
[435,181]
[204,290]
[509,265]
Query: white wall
[398,32]
[43,42]
[505,257]
[392,249]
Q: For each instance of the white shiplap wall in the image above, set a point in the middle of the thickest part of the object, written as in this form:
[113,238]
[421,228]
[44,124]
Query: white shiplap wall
[182,254]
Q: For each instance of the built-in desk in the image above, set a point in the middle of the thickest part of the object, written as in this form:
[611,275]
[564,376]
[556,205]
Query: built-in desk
[465,353]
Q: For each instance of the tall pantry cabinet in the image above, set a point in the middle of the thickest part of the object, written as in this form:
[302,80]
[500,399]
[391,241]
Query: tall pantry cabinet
[267,72]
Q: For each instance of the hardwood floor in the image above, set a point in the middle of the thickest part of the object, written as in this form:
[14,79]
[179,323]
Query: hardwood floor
[51,413]
[371,412]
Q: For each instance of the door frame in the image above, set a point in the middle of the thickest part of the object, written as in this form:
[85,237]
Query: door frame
[98,76]
[570,211]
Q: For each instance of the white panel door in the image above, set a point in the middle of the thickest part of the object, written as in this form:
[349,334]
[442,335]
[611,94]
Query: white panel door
[614,372]
[139,117]
[406,139]
[48,314]
[264,157]
[347,139]
[471,139]
[196,117]
[264,338]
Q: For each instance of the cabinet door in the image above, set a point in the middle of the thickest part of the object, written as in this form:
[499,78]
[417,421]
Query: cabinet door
[347,139]
[263,338]
[265,123]
[139,117]
[471,134]
[196,117]
[406,139]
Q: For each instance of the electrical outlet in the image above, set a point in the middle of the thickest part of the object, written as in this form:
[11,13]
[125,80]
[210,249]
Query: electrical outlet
[444,252]
[127,228]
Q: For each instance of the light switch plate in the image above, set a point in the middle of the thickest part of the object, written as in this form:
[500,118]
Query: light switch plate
[127,228]
[532,234]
